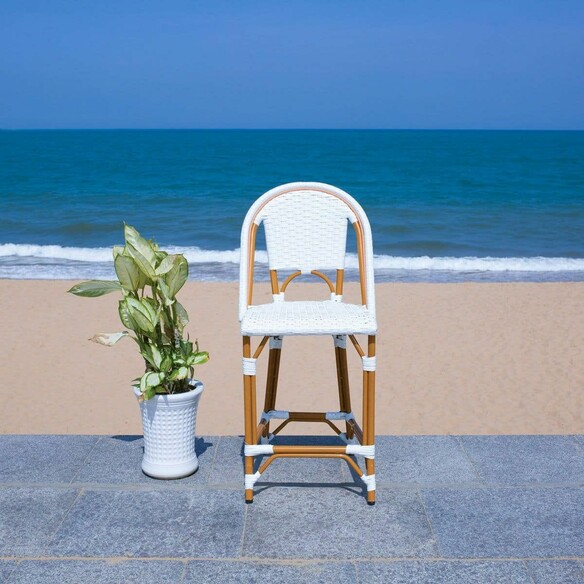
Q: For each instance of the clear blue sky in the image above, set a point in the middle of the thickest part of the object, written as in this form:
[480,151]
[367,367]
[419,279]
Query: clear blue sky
[292,64]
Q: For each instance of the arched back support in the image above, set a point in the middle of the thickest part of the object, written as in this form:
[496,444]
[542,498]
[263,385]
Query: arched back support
[306,230]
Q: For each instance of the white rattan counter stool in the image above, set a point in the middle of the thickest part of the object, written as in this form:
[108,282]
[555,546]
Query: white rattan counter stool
[306,231]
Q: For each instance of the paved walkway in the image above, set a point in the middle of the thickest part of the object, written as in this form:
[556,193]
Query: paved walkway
[500,509]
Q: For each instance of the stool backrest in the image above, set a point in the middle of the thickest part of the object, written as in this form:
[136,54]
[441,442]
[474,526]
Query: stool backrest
[305,225]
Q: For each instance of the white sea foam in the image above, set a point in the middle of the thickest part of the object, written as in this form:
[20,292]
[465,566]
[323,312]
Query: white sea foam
[56,252]
[54,262]
[470,264]
[104,254]
[43,253]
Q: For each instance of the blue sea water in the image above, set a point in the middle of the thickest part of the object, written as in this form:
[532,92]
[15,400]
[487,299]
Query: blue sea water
[444,205]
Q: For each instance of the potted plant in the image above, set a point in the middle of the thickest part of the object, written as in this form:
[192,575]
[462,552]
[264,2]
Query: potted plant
[149,279]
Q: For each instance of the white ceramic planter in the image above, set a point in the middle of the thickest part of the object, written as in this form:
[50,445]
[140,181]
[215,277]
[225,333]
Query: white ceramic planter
[168,422]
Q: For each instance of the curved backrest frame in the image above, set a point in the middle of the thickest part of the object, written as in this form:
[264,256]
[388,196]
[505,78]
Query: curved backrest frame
[355,214]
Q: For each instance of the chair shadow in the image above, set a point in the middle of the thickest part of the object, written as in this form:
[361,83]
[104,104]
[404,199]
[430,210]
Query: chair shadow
[260,487]
[355,487]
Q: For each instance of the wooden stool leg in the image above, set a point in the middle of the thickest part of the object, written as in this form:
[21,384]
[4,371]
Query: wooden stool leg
[343,383]
[250,412]
[369,421]
[271,384]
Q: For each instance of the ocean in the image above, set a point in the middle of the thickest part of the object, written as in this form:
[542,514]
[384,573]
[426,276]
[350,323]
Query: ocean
[444,206]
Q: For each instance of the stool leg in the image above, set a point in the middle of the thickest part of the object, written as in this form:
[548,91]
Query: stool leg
[343,383]
[249,416]
[369,420]
[271,384]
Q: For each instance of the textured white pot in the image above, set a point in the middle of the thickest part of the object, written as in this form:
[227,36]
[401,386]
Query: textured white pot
[168,422]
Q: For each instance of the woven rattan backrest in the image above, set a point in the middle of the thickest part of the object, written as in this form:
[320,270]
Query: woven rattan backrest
[306,229]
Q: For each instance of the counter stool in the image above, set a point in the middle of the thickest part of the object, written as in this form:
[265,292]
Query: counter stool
[305,226]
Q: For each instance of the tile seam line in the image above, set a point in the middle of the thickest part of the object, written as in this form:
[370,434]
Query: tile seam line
[86,459]
[477,486]
[284,561]
[135,487]
[242,541]
[458,440]
[138,488]
[183,574]
[429,521]
[65,515]
[13,571]
[497,487]
[529,573]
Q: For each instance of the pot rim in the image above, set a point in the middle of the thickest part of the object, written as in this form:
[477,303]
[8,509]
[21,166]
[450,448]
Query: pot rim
[176,397]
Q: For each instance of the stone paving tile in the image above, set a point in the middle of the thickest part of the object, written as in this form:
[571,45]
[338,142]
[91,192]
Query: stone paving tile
[213,572]
[29,517]
[556,572]
[42,459]
[443,572]
[6,568]
[117,460]
[516,460]
[580,439]
[191,523]
[97,572]
[419,460]
[507,522]
[228,466]
[336,522]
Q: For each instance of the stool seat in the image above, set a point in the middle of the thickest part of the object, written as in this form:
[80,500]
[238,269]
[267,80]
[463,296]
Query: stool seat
[308,318]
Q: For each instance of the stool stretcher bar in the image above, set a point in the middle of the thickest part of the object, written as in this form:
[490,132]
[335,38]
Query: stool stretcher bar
[369,480]
[326,417]
[356,449]
[309,417]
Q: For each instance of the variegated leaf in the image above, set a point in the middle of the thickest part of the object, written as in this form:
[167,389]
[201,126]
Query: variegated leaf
[108,339]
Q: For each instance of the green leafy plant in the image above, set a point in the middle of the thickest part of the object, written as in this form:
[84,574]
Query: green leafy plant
[149,280]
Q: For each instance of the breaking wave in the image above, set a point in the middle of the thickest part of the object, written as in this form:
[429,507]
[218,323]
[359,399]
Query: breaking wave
[56,262]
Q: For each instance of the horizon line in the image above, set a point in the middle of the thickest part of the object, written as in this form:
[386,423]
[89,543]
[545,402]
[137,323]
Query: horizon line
[195,129]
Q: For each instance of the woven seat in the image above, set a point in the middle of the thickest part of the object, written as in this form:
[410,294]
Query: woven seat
[308,318]
[305,227]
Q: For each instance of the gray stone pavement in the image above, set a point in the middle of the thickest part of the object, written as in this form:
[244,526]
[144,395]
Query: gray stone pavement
[451,509]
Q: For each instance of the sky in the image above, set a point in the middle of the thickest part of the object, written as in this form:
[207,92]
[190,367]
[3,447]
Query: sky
[407,64]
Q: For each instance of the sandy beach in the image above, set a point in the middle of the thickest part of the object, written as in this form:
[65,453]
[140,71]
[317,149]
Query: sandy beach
[452,359]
